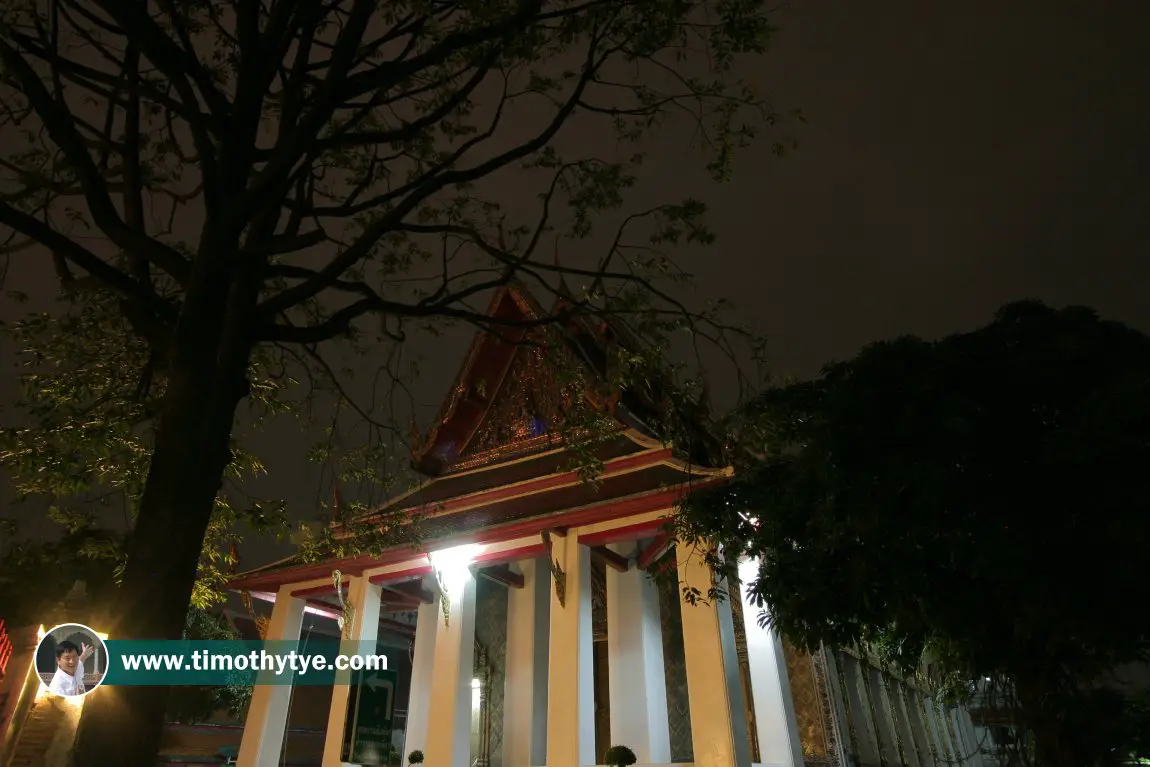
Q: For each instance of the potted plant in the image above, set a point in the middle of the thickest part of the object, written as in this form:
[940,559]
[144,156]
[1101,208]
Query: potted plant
[619,756]
[415,757]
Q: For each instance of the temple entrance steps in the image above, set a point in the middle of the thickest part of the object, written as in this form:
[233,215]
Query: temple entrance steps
[37,733]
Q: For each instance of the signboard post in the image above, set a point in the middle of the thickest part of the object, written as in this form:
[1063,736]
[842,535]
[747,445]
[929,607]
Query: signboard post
[370,709]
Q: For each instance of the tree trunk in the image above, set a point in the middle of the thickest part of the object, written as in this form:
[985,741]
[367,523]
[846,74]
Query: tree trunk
[206,379]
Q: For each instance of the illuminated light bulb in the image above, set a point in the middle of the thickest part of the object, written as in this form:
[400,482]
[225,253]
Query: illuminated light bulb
[452,564]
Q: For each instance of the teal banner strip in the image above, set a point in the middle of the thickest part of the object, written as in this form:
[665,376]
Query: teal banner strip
[221,663]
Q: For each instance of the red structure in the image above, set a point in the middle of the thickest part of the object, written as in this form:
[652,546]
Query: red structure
[5,648]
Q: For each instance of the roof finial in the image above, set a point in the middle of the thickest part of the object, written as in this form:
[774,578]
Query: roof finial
[563,290]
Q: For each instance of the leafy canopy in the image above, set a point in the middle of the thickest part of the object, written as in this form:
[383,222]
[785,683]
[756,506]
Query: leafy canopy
[87,396]
[248,181]
[332,168]
[978,500]
[198,704]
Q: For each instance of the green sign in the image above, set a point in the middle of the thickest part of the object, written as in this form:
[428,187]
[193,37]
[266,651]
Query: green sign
[371,705]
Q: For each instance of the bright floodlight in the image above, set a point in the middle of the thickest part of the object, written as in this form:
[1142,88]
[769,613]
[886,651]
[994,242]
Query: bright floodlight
[748,571]
[452,564]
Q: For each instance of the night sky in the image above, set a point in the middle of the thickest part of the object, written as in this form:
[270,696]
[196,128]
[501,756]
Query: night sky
[956,156]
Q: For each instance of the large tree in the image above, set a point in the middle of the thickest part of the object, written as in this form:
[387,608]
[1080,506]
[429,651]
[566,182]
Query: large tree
[250,180]
[980,503]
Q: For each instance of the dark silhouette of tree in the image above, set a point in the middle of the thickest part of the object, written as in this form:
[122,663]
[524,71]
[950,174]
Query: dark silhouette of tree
[976,504]
[245,182]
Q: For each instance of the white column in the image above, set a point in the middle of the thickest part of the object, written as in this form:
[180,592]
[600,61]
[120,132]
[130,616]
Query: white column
[930,726]
[910,698]
[839,701]
[956,741]
[266,720]
[775,720]
[960,750]
[449,736]
[971,737]
[571,681]
[427,623]
[525,690]
[868,744]
[904,723]
[712,710]
[364,598]
[941,737]
[637,677]
[882,714]
[969,753]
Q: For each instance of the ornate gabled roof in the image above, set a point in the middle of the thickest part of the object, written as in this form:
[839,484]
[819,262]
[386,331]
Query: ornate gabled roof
[494,463]
[511,391]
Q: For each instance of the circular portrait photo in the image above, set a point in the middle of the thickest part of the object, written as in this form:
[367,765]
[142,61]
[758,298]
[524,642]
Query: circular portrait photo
[71,660]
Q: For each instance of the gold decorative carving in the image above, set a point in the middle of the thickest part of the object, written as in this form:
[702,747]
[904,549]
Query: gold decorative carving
[444,604]
[261,623]
[557,573]
[806,696]
[598,601]
[560,583]
[511,450]
[530,402]
[346,610]
[826,706]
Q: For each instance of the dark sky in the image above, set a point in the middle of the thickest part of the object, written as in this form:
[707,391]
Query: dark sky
[956,156]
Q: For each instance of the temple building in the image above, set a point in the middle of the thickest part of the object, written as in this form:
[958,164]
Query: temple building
[529,627]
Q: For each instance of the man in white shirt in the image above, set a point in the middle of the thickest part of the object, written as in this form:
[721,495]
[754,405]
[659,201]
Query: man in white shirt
[69,677]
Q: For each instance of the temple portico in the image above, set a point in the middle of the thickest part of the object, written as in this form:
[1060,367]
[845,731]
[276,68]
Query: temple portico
[541,619]
[549,685]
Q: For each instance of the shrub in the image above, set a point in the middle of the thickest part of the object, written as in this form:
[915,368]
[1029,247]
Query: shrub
[620,756]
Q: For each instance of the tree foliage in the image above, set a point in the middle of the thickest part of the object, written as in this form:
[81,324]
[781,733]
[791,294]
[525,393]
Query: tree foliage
[243,182]
[978,503]
[90,408]
[199,704]
[36,576]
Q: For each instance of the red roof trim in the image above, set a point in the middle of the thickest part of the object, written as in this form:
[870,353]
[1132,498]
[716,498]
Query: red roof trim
[655,500]
[401,575]
[530,551]
[485,352]
[615,466]
[658,548]
[486,559]
[624,533]
[317,590]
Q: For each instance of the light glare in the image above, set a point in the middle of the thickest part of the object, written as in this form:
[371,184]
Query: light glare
[452,564]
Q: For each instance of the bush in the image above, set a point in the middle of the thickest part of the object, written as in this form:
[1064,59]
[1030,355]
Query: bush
[198,704]
[415,757]
[620,756]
